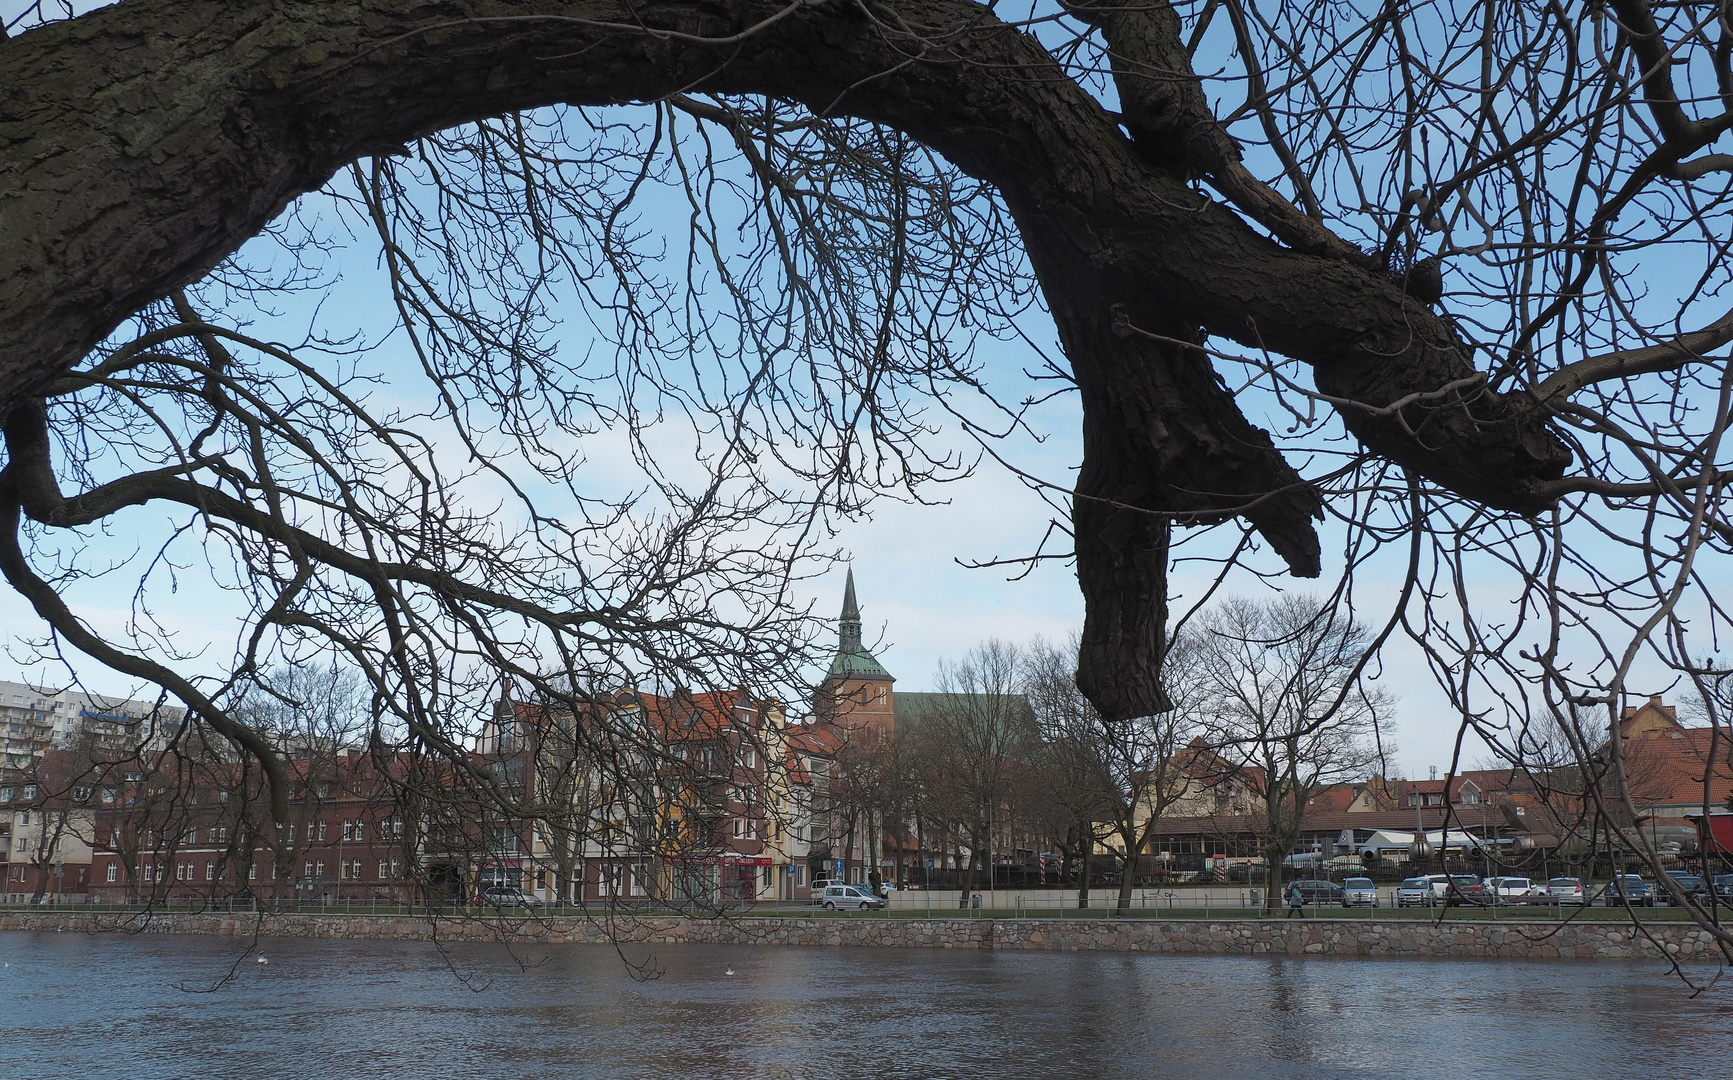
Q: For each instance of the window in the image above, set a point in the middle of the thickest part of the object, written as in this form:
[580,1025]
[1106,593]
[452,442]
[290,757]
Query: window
[210,871]
[113,872]
[739,828]
[253,872]
[360,830]
[348,830]
[180,871]
[343,869]
[319,868]
[397,827]
[108,794]
[81,793]
[749,758]
[309,872]
[322,830]
[383,870]
[355,870]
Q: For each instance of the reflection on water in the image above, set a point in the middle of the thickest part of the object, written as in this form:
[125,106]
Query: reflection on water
[127,1006]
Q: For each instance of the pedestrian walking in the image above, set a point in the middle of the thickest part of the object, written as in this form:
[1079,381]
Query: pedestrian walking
[1295,901]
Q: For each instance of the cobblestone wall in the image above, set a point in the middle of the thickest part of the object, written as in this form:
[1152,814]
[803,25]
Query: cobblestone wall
[1253,937]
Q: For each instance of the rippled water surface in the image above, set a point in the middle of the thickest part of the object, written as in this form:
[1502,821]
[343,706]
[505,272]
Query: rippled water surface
[82,1006]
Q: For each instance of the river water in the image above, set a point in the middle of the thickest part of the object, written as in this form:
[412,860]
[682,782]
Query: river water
[143,1008]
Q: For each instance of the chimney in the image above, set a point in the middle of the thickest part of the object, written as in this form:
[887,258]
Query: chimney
[1434,775]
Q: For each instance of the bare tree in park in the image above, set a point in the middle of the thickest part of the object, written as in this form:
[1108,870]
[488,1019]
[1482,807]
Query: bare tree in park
[974,741]
[1123,770]
[1445,277]
[1279,685]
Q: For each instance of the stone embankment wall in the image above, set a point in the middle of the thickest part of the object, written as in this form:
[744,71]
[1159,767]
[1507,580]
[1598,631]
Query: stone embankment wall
[1218,937]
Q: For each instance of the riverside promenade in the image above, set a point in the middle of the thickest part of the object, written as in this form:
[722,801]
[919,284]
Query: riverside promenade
[1338,937]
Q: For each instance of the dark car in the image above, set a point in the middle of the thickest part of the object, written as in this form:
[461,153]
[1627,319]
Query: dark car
[1628,886]
[1465,889]
[1724,888]
[1319,892]
[1680,881]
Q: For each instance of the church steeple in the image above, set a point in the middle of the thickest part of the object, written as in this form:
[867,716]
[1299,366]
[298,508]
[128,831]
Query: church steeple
[848,627]
[852,660]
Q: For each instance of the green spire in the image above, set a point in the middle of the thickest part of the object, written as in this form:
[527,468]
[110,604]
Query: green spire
[852,660]
[848,627]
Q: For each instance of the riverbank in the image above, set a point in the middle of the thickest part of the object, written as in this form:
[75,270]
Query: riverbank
[1197,937]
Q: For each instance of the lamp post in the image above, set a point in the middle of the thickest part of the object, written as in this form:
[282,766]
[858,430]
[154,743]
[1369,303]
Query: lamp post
[1485,856]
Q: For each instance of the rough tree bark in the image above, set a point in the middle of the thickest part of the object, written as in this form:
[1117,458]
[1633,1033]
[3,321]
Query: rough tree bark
[144,142]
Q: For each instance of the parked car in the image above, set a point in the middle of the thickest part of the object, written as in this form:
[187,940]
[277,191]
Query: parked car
[1514,890]
[1465,889]
[1566,890]
[1724,888]
[857,897]
[1628,887]
[1359,892]
[1318,892]
[505,896]
[1682,881]
[1416,892]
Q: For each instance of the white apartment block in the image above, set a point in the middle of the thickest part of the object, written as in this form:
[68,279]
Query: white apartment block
[35,719]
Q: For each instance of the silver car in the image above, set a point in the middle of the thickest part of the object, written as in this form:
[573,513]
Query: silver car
[1416,892]
[1359,892]
[857,897]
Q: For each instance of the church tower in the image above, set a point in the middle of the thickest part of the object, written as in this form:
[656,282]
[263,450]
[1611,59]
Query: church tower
[856,691]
